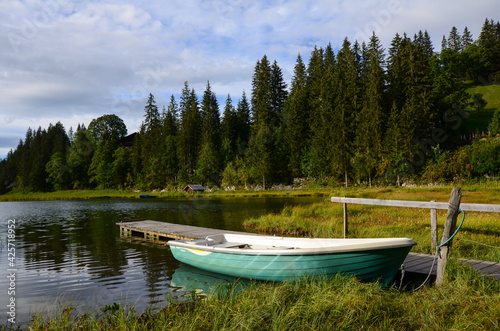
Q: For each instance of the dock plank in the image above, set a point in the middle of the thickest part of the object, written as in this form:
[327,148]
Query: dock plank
[414,263]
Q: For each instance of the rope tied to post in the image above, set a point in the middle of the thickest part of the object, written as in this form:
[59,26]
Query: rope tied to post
[438,249]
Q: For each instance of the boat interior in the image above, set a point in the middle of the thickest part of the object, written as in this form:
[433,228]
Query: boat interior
[220,241]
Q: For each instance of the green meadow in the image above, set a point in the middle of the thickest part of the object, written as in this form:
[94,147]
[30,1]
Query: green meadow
[479,121]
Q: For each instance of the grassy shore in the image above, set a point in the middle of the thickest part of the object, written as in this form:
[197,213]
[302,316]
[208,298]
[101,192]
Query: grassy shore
[130,194]
[467,301]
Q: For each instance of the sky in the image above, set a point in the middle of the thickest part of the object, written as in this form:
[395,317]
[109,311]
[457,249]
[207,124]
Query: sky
[73,61]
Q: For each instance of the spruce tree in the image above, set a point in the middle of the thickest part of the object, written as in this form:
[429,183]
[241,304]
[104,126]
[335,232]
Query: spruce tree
[268,93]
[228,133]
[151,130]
[316,160]
[454,40]
[189,137]
[278,94]
[296,119]
[169,137]
[208,166]
[345,111]
[368,142]
[243,124]
[467,39]
[261,94]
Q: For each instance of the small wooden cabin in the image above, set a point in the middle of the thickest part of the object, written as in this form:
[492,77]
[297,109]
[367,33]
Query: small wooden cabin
[194,188]
[128,141]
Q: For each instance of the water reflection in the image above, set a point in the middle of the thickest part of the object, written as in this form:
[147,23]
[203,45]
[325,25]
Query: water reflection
[188,279]
[72,250]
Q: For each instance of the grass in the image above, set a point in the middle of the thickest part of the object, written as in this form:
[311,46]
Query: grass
[479,121]
[129,194]
[466,302]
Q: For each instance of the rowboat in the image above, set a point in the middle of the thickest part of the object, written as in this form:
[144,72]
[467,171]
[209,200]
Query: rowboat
[272,258]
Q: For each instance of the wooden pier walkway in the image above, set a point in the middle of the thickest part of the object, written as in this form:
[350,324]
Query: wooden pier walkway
[415,263]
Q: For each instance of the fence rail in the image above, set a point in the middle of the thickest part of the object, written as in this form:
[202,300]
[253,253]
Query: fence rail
[418,204]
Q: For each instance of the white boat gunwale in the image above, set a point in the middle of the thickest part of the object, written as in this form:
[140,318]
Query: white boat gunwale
[272,245]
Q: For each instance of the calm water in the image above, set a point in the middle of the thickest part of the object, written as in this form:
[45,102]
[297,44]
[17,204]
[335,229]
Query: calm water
[72,251]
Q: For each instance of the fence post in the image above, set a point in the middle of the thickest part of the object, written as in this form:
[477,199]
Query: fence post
[449,229]
[345,220]
[434,231]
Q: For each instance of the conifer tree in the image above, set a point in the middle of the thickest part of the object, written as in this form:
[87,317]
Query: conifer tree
[279,152]
[189,137]
[345,111]
[208,166]
[278,94]
[210,118]
[268,93]
[262,95]
[169,138]
[489,41]
[316,160]
[413,114]
[296,118]
[423,40]
[151,130]
[243,124]
[467,39]
[229,133]
[454,40]
[368,142]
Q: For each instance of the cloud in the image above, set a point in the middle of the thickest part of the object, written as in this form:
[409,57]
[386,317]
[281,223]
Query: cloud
[73,61]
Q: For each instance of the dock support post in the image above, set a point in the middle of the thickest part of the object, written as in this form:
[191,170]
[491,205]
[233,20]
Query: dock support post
[434,231]
[449,229]
[346,229]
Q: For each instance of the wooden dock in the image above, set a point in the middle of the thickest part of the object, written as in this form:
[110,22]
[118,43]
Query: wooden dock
[415,263]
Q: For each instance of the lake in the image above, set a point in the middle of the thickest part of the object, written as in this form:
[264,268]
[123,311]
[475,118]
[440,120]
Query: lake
[71,251]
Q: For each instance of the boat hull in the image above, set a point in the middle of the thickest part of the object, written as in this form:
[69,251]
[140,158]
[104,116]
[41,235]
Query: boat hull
[367,265]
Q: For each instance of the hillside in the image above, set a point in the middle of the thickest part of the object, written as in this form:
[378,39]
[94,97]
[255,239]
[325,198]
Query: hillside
[478,121]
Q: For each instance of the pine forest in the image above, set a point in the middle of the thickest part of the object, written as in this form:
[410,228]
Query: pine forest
[360,115]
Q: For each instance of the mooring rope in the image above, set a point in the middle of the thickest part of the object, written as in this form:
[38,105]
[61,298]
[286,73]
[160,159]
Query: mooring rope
[438,247]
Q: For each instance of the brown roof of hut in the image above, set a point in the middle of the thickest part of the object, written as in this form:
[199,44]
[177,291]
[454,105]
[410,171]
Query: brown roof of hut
[194,188]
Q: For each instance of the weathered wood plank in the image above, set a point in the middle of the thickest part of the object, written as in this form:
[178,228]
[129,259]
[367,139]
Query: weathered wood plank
[346,226]
[481,207]
[449,228]
[434,230]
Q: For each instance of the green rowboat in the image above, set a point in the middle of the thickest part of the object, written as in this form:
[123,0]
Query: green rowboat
[273,258]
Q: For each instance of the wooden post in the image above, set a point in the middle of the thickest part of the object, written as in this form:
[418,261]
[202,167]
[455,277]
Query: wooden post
[345,220]
[449,229]
[434,231]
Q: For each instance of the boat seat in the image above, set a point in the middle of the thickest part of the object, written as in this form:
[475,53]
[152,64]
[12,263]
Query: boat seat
[270,247]
[230,245]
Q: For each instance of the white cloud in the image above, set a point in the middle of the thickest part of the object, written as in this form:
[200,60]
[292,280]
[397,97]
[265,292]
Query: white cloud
[73,61]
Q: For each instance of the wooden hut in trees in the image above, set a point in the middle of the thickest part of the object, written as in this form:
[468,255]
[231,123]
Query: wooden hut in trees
[194,188]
